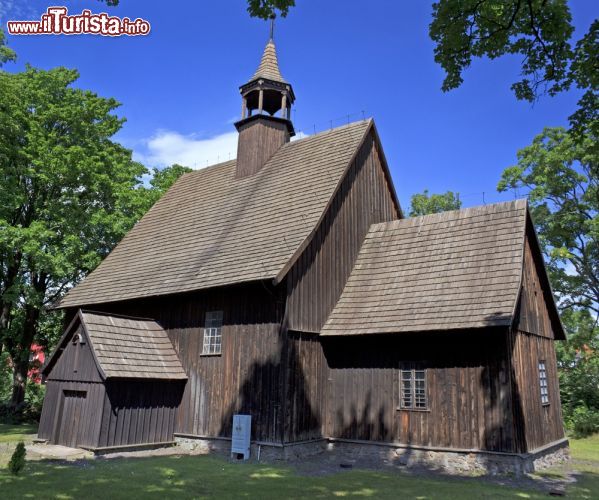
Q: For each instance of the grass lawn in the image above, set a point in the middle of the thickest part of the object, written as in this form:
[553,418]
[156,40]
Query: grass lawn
[14,433]
[209,476]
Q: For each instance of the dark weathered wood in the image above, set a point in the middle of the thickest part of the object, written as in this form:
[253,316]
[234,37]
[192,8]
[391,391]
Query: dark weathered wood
[317,279]
[260,137]
[533,341]
[76,362]
[246,377]
[470,398]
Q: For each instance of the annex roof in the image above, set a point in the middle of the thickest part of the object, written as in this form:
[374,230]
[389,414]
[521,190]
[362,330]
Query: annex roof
[126,347]
[453,270]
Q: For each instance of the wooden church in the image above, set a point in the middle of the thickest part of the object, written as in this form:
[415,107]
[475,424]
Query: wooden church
[287,285]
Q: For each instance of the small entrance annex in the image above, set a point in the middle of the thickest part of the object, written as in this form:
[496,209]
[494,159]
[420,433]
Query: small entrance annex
[112,381]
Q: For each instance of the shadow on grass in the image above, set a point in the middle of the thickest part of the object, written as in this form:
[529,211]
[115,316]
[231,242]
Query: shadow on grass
[204,476]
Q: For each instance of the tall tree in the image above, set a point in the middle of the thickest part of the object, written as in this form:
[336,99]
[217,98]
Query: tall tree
[6,54]
[423,203]
[69,193]
[561,178]
[263,9]
[540,31]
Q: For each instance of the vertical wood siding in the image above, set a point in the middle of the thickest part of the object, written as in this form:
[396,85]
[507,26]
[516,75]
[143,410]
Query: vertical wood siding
[305,400]
[316,280]
[139,411]
[76,362]
[539,424]
[72,413]
[258,141]
[533,314]
[246,378]
[469,390]
[533,341]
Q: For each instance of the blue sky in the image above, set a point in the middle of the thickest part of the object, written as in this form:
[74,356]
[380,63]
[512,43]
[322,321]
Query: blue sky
[179,85]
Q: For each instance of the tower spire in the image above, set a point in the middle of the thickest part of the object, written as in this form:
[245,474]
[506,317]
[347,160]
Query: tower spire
[265,123]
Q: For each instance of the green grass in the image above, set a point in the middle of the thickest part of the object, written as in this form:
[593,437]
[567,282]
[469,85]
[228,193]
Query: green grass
[205,477]
[586,449]
[14,433]
[210,476]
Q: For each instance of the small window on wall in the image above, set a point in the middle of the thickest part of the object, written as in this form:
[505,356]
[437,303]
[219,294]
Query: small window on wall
[213,333]
[413,390]
[543,383]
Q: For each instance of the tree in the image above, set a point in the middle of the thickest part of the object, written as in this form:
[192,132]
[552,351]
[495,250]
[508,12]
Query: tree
[538,30]
[561,177]
[163,179]
[423,203]
[579,371]
[263,9]
[69,193]
[6,54]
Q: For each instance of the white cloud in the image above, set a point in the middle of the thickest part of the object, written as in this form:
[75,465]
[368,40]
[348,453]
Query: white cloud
[12,10]
[166,147]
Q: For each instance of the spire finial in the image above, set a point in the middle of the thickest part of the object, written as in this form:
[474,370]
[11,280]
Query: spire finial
[272,26]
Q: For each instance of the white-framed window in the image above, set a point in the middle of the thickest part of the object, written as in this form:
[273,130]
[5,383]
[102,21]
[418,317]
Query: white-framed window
[412,387]
[543,383]
[213,333]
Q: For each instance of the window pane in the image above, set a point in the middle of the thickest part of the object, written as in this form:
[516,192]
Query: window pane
[543,383]
[413,389]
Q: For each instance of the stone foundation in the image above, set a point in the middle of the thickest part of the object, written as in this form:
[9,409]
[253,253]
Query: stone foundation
[467,462]
[460,462]
[268,452]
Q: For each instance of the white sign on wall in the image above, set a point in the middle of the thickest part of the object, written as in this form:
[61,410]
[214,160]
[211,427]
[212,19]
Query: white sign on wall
[242,430]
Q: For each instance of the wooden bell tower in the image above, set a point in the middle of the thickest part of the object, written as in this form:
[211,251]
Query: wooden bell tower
[265,123]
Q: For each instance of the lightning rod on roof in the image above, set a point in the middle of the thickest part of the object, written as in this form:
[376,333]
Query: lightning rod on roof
[272,26]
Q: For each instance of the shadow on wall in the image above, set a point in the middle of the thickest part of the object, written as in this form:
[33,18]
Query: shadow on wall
[367,422]
[278,416]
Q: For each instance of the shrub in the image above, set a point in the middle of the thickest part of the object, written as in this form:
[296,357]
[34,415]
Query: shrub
[17,461]
[584,421]
[29,411]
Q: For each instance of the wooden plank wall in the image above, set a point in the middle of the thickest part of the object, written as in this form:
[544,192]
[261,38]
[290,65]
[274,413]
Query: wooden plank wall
[539,424]
[76,366]
[533,341]
[139,411]
[246,378]
[533,312]
[469,390]
[317,279]
[84,425]
[258,141]
[305,403]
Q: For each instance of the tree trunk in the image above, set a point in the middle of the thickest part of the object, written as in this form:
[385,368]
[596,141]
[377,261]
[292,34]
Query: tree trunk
[19,381]
[20,358]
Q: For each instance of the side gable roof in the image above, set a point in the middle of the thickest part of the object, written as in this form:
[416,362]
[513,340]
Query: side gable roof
[125,347]
[211,229]
[453,270]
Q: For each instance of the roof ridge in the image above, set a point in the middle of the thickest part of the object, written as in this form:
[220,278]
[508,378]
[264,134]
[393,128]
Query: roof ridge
[120,316]
[334,129]
[519,204]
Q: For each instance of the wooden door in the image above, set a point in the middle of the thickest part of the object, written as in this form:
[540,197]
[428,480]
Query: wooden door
[71,418]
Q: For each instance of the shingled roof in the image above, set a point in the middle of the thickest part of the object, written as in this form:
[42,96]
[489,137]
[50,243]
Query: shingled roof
[453,270]
[211,229]
[126,347]
[269,64]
